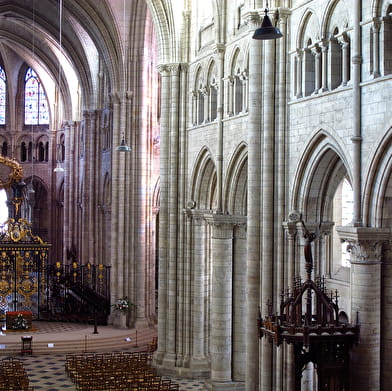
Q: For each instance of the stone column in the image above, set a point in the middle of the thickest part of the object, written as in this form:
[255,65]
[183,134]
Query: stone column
[289,367]
[221,301]
[88,192]
[69,180]
[245,85]
[194,108]
[376,48]
[356,58]
[254,206]
[164,307]
[324,66]
[118,206]
[197,300]
[268,250]
[239,298]
[345,62]
[299,58]
[317,69]
[220,53]
[230,95]
[365,247]
[386,341]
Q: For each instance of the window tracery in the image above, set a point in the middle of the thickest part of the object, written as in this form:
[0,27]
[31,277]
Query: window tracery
[321,64]
[36,104]
[3,95]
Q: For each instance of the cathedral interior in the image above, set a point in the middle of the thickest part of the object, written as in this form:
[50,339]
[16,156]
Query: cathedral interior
[229,186]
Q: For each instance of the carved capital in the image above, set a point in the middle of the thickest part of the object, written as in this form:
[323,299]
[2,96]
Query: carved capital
[225,221]
[163,69]
[253,20]
[291,228]
[115,97]
[365,245]
[365,251]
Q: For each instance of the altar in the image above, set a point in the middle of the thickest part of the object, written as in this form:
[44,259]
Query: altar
[18,320]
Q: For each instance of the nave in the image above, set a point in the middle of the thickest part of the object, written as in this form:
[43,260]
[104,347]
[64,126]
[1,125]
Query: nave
[45,368]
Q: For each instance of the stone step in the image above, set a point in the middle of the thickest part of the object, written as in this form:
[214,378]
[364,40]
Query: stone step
[125,340]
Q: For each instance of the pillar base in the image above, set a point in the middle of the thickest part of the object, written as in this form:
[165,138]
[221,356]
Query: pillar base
[166,364]
[224,386]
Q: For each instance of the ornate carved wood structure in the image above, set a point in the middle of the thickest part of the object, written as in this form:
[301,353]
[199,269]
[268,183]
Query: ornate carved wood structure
[309,319]
[23,256]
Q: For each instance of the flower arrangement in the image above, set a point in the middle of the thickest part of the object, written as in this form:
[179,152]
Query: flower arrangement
[122,305]
[20,323]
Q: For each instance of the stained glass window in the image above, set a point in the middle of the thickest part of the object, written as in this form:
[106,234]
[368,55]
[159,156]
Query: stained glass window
[36,104]
[3,95]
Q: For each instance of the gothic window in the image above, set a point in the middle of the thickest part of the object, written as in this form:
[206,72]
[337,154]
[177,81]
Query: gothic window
[237,86]
[23,152]
[309,69]
[4,148]
[213,102]
[212,93]
[30,152]
[335,61]
[61,156]
[36,104]
[339,60]
[3,96]
[238,93]
[199,100]
[43,151]
[342,215]
[200,105]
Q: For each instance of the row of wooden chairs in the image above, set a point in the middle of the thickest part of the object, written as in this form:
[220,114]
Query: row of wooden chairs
[122,371]
[13,376]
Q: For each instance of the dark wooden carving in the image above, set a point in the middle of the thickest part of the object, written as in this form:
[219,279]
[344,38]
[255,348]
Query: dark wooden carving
[309,318]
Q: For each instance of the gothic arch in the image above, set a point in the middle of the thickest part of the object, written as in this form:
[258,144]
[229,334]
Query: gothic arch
[322,167]
[329,23]
[199,80]
[211,72]
[235,61]
[309,28]
[162,15]
[235,189]
[379,8]
[203,182]
[377,203]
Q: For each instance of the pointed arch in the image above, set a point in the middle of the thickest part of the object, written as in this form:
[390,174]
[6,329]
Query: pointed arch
[322,167]
[203,181]
[309,28]
[336,15]
[212,86]
[236,186]
[377,203]
[36,103]
[166,33]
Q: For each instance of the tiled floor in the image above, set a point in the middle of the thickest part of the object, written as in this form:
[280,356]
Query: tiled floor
[46,371]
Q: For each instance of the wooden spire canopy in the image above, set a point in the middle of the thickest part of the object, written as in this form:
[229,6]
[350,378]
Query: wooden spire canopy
[309,319]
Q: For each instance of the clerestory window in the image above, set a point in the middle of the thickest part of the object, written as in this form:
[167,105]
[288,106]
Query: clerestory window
[3,95]
[36,104]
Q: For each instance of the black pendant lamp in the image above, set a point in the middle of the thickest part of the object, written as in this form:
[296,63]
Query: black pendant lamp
[267,30]
[123,147]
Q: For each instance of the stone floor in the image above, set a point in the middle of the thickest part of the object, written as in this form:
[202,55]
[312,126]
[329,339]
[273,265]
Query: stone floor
[46,371]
